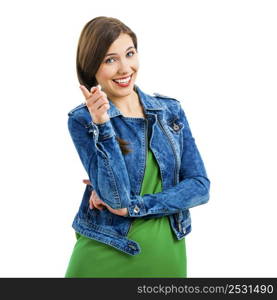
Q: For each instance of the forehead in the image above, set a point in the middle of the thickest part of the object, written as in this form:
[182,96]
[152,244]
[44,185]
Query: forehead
[121,43]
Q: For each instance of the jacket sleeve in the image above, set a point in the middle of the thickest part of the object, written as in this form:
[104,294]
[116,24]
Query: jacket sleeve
[192,189]
[102,159]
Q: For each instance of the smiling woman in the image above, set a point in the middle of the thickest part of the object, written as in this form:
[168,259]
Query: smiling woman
[134,213]
[117,74]
[99,62]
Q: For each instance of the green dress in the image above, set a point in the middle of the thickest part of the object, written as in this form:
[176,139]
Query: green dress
[162,255]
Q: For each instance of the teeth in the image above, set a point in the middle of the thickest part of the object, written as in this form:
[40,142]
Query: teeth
[123,80]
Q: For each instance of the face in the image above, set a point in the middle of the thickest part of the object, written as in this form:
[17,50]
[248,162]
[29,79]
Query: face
[118,71]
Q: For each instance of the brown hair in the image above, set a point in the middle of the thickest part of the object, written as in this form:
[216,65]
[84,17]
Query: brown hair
[94,42]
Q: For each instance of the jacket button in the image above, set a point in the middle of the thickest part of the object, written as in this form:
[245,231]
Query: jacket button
[132,247]
[94,131]
[136,209]
[176,127]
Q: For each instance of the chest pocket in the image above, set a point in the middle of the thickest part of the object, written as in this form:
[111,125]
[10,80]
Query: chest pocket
[175,125]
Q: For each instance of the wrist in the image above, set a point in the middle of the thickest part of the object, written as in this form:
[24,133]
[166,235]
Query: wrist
[102,131]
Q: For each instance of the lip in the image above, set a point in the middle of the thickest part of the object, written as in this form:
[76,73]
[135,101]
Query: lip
[130,75]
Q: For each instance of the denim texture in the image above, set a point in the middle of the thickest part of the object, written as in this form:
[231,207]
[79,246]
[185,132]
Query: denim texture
[117,178]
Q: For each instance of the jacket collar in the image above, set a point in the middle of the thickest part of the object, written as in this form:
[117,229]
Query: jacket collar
[147,101]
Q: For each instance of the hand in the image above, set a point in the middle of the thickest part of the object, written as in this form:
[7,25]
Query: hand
[97,104]
[96,202]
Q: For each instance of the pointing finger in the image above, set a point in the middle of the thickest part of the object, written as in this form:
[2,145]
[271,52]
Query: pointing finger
[85,91]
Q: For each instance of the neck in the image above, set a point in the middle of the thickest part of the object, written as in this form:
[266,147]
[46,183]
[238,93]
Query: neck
[129,103]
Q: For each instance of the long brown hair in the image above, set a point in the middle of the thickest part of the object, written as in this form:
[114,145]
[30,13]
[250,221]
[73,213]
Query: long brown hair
[94,42]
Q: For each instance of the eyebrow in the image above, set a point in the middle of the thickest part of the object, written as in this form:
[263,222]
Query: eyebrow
[116,53]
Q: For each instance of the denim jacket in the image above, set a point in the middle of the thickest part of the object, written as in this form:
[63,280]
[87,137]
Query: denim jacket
[117,178]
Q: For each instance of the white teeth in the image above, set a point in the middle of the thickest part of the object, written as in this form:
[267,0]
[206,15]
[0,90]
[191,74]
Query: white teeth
[123,80]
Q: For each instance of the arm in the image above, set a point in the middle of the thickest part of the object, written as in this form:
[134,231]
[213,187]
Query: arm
[192,190]
[102,159]
[105,166]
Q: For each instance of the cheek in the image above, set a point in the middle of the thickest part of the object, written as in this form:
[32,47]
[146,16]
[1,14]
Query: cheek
[136,65]
[104,73]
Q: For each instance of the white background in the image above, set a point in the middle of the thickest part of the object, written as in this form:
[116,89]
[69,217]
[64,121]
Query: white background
[217,57]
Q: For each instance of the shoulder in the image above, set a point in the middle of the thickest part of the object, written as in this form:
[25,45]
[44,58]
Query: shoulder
[173,107]
[80,113]
[77,109]
[171,104]
[163,97]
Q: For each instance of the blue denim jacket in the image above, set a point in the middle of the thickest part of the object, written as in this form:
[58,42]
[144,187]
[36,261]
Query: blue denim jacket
[117,178]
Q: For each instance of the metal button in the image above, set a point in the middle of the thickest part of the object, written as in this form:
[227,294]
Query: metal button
[176,127]
[132,247]
[136,209]
[94,131]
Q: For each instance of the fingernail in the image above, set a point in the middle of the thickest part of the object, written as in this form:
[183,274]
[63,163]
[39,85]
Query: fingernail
[96,88]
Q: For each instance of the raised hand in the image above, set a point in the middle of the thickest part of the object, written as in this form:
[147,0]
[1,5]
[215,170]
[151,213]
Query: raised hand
[97,104]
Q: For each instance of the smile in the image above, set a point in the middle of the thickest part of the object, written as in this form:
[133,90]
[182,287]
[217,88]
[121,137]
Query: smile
[123,82]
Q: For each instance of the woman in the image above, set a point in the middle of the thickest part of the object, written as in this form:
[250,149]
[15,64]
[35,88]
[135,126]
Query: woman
[144,168]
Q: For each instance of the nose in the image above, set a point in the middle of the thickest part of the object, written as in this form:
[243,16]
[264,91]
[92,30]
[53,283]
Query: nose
[124,67]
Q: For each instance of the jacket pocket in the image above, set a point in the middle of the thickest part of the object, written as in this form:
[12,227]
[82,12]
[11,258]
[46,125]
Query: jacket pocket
[175,125]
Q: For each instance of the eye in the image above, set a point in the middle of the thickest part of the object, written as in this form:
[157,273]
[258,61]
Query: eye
[132,52]
[108,61]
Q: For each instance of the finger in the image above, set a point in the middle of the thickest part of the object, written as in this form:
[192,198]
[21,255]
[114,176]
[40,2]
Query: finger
[96,195]
[85,91]
[86,181]
[92,196]
[91,206]
[103,108]
[94,89]
[91,200]
[98,206]
[97,202]
[94,200]
[98,100]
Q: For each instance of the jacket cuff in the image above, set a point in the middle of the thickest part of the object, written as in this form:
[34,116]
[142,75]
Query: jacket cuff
[101,131]
[136,207]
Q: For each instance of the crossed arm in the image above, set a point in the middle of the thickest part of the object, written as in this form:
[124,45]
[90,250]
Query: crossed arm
[103,160]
